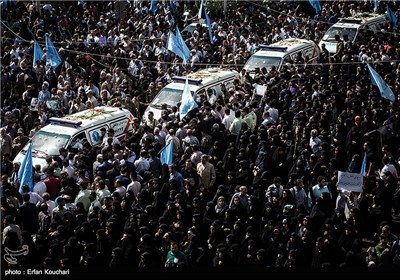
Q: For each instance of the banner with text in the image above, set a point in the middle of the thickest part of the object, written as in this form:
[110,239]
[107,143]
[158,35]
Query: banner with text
[350,181]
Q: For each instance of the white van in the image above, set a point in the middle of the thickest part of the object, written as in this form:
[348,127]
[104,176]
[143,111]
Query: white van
[357,26]
[199,81]
[282,52]
[83,126]
[187,32]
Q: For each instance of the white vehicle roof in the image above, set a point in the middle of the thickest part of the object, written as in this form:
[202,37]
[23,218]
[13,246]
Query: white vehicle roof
[281,48]
[202,78]
[359,19]
[86,118]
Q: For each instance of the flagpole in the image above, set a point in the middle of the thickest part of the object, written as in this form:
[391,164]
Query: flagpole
[163,148]
[225,7]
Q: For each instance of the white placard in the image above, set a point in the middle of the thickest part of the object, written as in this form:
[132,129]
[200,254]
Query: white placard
[260,90]
[350,181]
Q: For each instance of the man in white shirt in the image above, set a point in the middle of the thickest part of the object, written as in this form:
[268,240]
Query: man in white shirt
[387,166]
[83,195]
[142,164]
[228,118]
[315,142]
[119,188]
[135,185]
[50,203]
[273,111]
[211,97]
[267,119]
[33,197]
[275,190]
[110,133]
[9,226]
[40,188]
[93,202]
[320,188]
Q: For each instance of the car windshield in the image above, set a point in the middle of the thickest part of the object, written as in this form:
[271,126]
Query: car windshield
[189,28]
[46,143]
[168,96]
[330,34]
[261,61]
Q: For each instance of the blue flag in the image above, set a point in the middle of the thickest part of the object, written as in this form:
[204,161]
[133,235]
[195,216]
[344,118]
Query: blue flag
[52,56]
[4,4]
[188,102]
[384,89]
[172,6]
[173,46]
[201,9]
[364,165]
[153,6]
[37,53]
[391,17]
[208,22]
[25,172]
[166,154]
[182,44]
[316,5]
[375,6]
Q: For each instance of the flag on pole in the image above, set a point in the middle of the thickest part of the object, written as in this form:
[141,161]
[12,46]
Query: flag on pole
[391,17]
[166,154]
[384,89]
[172,6]
[201,9]
[387,131]
[375,6]
[4,4]
[188,102]
[25,172]
[316,5]
[364,165]
[67,65]
[182,44]
[52,56]
[153,6]
[208,22]
[37,53]
[173,46]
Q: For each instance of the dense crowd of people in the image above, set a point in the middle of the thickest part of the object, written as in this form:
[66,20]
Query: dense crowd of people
[253,181]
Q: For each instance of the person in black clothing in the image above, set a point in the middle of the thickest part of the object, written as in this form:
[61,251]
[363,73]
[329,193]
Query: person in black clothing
[28,215]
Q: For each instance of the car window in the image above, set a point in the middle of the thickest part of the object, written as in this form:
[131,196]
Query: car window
[167,96]
[48,143]
[261,61]
[78,141]
[329,36]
